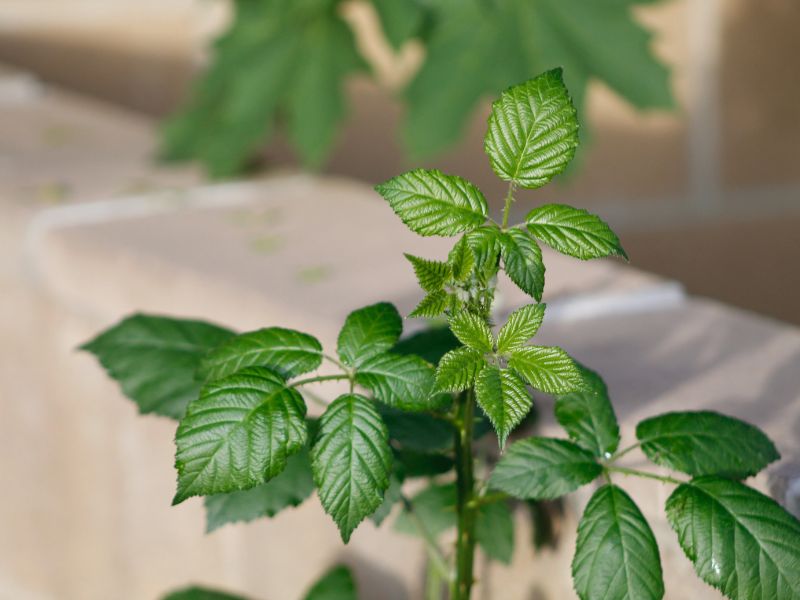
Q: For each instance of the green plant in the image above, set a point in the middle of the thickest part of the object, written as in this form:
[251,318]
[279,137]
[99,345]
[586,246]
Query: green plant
[245,444]
[286,61]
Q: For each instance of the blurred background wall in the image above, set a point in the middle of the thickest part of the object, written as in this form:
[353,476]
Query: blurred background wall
[708,194]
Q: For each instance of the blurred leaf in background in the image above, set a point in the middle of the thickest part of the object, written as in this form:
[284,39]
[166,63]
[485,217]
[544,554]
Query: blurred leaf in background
[285,62]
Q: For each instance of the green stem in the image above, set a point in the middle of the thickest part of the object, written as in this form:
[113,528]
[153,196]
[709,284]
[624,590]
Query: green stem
[336,361]
[318,378]
[509,202]
[620,453]
[645,474]
[435,556]
[465,487]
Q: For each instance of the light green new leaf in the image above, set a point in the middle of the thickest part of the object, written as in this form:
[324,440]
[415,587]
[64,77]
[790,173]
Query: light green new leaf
[494,531]
[521,326]
[503,397]
[462,260]
[706,443]
[289,488]
[485,244]
[548,369]
[472,331]
[431,274]
[588,416]
[533,131]
[522,259]
[401,381]
[154,359]
[351,461]
[368,332]
[458,368]
[432,305]
[432,203]
[740,541]
[573,231]
[336,584]
[200,593]
[616,555]
[284,351]
[541,468]
[238,434]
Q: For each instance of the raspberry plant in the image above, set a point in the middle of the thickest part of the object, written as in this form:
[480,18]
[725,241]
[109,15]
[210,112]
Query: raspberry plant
[416,406]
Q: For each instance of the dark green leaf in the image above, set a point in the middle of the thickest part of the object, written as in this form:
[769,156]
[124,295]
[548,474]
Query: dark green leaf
[522,259]
[706,443]
[200,593]
[238,434]
[417,431]
[458,368]
[740,541]
[154,359]
[336,584]
[430,344]
[521,326]
[368,332]
[401,20]
[289,488]
[548,369]
[616,555]
[351,461]
[432,203]
[472,331]
[543,468]
[588,416]
[533,131]
[285,351]
[494,531]
[421,464]
[401,381]
[573,231]
[431,274]
[503,397]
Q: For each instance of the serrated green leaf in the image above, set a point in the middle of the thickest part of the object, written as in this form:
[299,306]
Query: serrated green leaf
[573,231]
[405,382]
[400,20]
[154,359]
[284,351]
[391,497]
[368,332]
[432,203]
[740,541]
[435,506]
[432,305]
[458,368]
[472,331]
[351,461]
[521,326]
[541,468]
[238,434]
[289,488]
[417,431]
[336,584]
[430,344]
[533,131]
[616,555]
[547,368]
[485,244]
[461,260]
[522,259]
[431,274]
[588,416]
[503,397]
[494,531]
[200,593]
[706,443]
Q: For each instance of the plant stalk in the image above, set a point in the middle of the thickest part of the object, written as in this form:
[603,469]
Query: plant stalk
[465,488]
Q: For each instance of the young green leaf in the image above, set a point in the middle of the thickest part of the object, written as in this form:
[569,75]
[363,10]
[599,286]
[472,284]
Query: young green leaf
[431,274]
[154,359]
[548,369]
[588,416]
[432,305]
[494,531]
[458,368]
[616,555]
[485,244]
[533,131]
[503,397]
[284,351]
[336,584]
[543,468]
[521,326]
[200,593]
[472,331]
[401,381]
[351,461]
[461,260]
[706,443]
[574,232]
[740,541]
[238,434]
[289,488]
[522,259]
[432,203]
[417,431]
[368,332]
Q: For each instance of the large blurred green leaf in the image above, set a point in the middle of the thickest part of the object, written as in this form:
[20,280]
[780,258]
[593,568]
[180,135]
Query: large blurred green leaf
[336,584]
